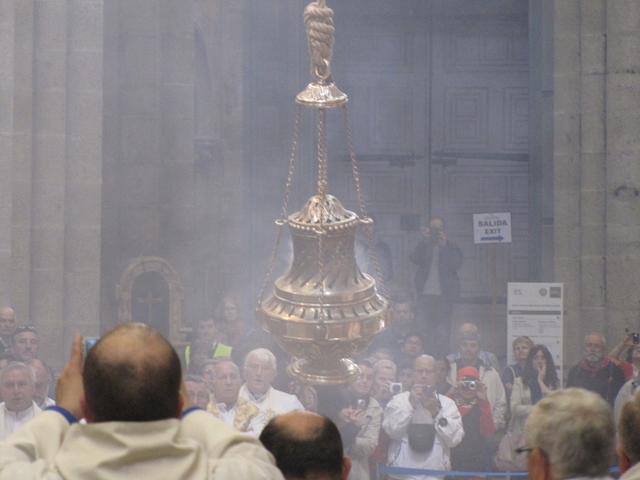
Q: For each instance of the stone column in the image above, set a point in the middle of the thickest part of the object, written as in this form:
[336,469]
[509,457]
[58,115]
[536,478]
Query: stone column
[83,185]
[16,47]
[7,129]
[67,165]
[176,140]
[49,172]
[566,156]
[622,165]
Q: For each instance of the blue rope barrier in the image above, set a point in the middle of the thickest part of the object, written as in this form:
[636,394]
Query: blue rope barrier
[385,469]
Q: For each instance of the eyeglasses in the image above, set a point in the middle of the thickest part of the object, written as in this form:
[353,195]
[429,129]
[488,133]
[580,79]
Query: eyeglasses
[25,328]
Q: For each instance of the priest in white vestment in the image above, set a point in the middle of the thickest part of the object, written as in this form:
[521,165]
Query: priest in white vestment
[17,387]
[128,390]
[239,413]
[260,369]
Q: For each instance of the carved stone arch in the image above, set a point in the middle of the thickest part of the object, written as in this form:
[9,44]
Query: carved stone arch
[161,271]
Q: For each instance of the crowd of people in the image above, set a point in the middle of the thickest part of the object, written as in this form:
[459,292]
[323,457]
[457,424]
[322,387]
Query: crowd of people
[421,401]
[406,408]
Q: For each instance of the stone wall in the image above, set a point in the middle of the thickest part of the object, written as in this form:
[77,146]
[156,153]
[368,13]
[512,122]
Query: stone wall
[596,167]
[51,166]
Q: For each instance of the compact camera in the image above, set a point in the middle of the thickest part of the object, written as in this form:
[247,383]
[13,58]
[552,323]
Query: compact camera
[395,388]
[635,337]
[429,390]
[469,384]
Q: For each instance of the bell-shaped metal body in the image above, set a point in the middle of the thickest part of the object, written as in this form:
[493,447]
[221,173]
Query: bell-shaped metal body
[324,309]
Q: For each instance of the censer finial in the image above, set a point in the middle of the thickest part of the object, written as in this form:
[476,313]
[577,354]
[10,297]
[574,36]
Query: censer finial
[322,91]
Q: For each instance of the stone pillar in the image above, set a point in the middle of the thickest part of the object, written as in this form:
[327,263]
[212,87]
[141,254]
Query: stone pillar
[16,45]
[83,185]
[566,157]
[622,165]
[67,164]
[49,172]
[596,168]
[176,127]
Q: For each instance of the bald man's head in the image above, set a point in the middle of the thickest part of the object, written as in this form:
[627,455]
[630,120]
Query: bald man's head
[132,374]
[306,445]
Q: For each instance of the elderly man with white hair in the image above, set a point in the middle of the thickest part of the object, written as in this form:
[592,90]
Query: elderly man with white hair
[384,374]
[240,413]
[260,369]
[570,434]
[17,387]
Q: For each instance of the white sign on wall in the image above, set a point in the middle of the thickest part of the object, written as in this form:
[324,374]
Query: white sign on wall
[492,227]
[535,310]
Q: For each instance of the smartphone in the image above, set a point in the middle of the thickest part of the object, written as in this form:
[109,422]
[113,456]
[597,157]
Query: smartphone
[89,343]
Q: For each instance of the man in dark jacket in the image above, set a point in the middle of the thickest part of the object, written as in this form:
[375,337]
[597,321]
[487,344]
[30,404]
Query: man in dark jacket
[595,371]
[437,285]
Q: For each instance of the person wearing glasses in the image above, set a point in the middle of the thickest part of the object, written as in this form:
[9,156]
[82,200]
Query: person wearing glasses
[569,434]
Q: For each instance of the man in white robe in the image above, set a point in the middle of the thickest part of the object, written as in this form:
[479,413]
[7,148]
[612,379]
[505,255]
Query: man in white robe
[260,369]
[129,393]
[236,412]
[17,388]
[440,411]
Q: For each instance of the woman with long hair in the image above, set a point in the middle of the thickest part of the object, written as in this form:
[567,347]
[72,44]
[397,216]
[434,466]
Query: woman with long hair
[538,379]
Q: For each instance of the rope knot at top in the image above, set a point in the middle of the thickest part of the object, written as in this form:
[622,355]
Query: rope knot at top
[318,20]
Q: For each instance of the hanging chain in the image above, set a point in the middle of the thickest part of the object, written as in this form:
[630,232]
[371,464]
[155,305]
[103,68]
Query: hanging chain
[322,193]
[285,202]
[322,155]
[368,228]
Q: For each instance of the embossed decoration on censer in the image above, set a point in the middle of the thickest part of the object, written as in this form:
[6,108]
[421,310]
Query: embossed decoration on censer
[324,309]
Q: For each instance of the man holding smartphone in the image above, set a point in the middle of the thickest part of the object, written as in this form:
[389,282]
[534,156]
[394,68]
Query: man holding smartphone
[129,391]
[438,260]
[422,424]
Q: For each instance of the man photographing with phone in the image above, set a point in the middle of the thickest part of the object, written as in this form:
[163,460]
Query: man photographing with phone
[438,260]
[422,424]
[129,391]
[475,452]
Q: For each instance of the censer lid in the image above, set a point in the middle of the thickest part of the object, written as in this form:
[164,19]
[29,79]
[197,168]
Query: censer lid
[327,209]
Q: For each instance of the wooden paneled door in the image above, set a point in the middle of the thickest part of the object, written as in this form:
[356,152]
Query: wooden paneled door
[439,107]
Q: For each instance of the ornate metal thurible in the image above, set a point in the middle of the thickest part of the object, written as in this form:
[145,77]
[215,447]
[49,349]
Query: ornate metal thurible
[324,309]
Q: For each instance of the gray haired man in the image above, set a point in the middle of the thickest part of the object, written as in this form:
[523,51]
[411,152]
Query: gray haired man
[570,434]
[17,387]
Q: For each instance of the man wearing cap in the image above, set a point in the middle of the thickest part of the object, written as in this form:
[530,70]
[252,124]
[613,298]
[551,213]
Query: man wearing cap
[470,394]
[469,348]
[422,424]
